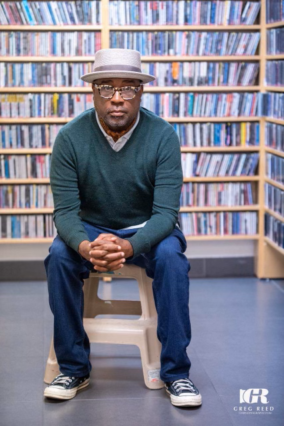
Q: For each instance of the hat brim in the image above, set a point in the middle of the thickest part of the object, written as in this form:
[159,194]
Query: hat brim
[90,77]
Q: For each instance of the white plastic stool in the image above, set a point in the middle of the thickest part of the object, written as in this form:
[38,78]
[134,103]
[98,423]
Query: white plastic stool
[141,332]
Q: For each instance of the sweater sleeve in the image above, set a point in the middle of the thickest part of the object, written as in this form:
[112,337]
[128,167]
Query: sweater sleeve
[166,202]
[65,190]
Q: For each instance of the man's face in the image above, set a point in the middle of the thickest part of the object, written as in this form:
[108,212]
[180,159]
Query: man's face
[117,113]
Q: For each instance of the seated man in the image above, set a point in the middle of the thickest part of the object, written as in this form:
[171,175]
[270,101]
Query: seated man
[116,179]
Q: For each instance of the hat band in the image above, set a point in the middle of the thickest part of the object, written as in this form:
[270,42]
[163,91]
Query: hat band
[115,68]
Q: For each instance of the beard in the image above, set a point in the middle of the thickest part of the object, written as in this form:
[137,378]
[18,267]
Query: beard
[118,123]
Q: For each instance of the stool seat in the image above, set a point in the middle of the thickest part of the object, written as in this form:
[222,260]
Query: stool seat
[141,332]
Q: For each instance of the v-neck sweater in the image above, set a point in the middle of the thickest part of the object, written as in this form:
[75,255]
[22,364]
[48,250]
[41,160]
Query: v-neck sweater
[92,182]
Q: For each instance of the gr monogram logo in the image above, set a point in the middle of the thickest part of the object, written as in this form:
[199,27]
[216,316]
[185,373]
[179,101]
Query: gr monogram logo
[253,396]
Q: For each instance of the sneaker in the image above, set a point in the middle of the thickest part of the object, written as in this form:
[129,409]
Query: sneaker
[183,393]
[66,387]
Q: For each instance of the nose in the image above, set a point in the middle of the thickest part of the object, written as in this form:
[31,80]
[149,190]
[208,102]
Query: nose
[117,98]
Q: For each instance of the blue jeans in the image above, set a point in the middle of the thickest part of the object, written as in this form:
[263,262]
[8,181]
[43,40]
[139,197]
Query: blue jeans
[165,263]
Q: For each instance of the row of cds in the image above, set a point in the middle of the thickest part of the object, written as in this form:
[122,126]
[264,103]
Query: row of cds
[274,136]
[50,12]
[275,41]
[49,43]
[43,74]
[202,73]
[275,167]
[190,134]
[212,165]
[28,135]
[274,199]
[187,42]
[48,74]
[217,194]
[203,104]
[183,12]
[274,229]
[27,226]
[163,104]
[274,73]
[223,223]
[24,166]
[217,134]
[26,196]
[45,105]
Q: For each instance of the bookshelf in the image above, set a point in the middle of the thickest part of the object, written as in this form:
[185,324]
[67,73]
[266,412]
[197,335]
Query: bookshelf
[268,260]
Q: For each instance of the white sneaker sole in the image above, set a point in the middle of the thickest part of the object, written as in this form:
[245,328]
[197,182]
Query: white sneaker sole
[57,393]
[185,401]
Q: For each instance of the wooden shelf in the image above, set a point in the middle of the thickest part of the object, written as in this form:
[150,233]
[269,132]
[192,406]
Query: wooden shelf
[207,119]
[274,25]
[218,149]
[274,214]
[222,179]
[49,58]
[25,151]
[274,245]
[274,151]
[203,58]
[36,120]
[143,58]
[37,151]
[25,240]
[273,182]
[221,237]
[62,120]
[189,238]
[27,211]
[272,57]
[197,209]
[274,88]
[254,207]
[274,120]
[23,181]
[147,89]
[184,27]
[51,27]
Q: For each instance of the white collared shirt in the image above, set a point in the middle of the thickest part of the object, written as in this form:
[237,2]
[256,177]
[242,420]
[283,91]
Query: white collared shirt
[119,144]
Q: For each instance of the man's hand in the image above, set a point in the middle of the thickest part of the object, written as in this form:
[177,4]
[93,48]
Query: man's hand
[108,252]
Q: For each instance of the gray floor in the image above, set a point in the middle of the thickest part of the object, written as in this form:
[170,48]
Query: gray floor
[237,343]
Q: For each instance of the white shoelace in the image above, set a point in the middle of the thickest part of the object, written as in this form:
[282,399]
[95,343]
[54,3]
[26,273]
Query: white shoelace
[61,379]
[183,384]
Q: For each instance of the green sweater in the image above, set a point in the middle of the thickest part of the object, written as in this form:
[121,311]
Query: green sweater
[141,182]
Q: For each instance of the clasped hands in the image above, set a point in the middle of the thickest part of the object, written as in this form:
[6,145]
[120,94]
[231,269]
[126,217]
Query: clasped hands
[107,252]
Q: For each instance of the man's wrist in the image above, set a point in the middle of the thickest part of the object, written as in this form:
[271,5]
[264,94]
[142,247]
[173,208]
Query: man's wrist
[129,251]
[83,248]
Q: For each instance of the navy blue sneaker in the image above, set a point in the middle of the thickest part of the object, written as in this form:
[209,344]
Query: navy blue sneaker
[183,393]
[66,387]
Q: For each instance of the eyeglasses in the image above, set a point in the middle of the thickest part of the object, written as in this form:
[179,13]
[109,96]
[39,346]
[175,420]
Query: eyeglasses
[126,92]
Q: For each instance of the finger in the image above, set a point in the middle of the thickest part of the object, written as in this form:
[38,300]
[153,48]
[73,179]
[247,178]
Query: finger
[105,263]
[99,262]
[115,264]
[105,245]
[113,256]
[102,269]
[98,253]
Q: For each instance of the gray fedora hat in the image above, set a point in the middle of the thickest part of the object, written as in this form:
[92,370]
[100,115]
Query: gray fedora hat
[117,63]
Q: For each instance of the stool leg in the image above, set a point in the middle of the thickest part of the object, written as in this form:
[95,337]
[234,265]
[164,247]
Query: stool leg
[150,349]
[52,368]
[91,299]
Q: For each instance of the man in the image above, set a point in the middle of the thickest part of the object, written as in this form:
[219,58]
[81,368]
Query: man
[116,179]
